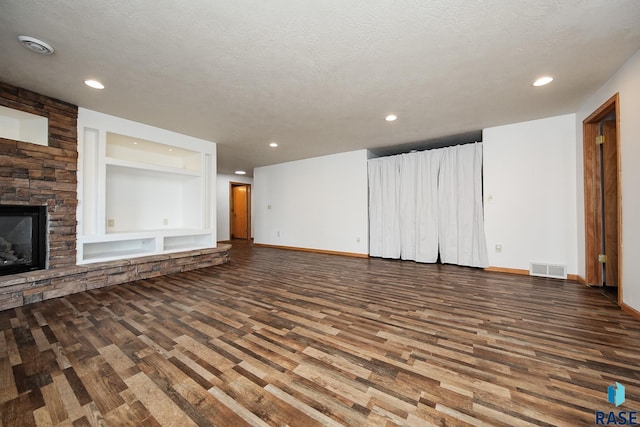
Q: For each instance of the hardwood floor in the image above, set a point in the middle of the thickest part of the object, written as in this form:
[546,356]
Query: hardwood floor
[290,338]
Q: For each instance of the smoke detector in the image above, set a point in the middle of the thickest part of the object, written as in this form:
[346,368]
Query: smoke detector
[35,45]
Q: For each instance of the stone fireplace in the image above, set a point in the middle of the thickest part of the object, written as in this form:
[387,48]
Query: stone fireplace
[44,176]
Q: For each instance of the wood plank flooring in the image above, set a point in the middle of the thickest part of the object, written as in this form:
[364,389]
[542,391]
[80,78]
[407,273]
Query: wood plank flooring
[301,339]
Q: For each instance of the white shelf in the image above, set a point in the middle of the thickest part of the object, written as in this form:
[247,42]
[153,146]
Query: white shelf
[118,249]
[110,161]
[116,235]
[136,244]
[186,242]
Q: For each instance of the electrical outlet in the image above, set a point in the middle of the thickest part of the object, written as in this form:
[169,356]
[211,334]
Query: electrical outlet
[357,240]
[269,207]
[165,221]
[278,233]
[498,248]
[111,223]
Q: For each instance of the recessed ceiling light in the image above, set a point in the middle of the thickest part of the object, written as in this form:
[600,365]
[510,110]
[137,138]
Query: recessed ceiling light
[35,45]
[240,173]
[273,145]
[543,81]
[94,84]
[391,118]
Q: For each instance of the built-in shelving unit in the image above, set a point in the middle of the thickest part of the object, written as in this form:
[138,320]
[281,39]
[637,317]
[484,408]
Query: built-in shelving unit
[142,190]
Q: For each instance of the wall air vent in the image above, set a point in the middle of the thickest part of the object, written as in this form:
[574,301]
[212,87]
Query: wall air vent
[554,271]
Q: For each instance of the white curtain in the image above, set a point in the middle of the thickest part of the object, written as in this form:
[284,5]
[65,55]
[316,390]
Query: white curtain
[461,226]
[419,206]
[384,207]
[429,202]
[408,218]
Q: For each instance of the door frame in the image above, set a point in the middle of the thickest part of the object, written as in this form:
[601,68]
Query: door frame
[248,186]
[592,220]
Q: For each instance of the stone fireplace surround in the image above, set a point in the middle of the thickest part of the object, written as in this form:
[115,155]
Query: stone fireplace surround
[31,174]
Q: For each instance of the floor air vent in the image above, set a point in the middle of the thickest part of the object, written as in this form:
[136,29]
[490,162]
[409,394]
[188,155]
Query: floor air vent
[541,269]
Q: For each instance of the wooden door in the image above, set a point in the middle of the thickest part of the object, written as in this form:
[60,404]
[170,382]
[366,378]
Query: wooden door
[610,201]
[602,197]
[240,211]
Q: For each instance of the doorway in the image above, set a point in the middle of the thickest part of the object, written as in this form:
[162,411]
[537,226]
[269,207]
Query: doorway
[602,202]
[240,210]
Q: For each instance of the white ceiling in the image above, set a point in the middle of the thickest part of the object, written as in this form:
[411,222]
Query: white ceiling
[319,76]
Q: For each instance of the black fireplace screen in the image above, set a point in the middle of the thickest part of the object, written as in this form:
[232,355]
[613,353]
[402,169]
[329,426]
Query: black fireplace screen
[22,238]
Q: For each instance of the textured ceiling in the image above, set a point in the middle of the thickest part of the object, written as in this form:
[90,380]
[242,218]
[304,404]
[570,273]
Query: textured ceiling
[319,76]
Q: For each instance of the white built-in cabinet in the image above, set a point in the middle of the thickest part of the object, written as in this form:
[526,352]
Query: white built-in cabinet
[142,190]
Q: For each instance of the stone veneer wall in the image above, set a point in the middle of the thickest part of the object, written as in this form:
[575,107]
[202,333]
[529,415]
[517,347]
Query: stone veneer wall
[31,174]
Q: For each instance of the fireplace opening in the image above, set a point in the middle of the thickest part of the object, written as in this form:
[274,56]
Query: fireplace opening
[23,232]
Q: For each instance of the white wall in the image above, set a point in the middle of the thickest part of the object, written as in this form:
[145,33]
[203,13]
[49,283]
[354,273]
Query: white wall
[222,203]
[625,81]
[319,203]
[530,193]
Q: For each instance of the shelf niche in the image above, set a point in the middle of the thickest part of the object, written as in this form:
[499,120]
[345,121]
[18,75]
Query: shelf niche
[126,148]
[21,126]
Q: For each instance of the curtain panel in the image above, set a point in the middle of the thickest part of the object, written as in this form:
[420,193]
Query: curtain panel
[427,203]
